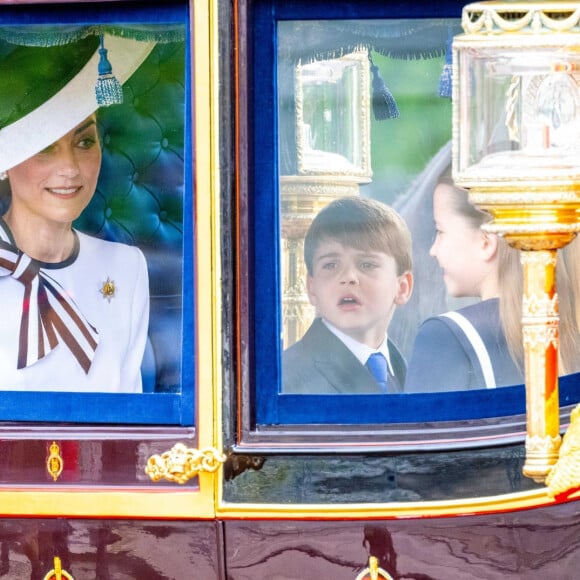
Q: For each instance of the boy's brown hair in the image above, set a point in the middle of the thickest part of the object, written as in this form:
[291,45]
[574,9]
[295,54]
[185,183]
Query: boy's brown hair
[364,224]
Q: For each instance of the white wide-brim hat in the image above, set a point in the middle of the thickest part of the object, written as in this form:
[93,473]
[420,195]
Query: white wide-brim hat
[32,115]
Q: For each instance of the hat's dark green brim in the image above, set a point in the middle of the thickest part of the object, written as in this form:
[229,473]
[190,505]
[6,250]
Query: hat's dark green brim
[29,76]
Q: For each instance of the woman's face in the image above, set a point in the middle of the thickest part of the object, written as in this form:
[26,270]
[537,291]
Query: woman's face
[57,183]
[459,248]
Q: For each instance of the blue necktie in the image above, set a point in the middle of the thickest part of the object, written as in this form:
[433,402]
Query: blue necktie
[377,365]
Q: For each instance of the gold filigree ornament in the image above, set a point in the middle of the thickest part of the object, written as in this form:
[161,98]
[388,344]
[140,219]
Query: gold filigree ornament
[181,463]
[511,17]
[108,289]
[564,477]
[54,462]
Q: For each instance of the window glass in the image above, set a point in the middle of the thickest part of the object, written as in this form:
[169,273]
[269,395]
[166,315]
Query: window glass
[363,112]
[98,328]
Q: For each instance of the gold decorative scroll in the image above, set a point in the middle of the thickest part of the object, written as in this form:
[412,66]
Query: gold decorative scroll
[181,463]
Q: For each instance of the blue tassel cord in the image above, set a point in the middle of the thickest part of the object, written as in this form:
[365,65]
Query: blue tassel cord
[446,77]
[108,89]
[383,102]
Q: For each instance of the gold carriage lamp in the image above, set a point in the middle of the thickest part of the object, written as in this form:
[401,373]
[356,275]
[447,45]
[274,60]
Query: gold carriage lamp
[516,148]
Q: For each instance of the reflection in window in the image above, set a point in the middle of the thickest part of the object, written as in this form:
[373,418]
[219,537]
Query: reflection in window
[332,134]
[334,142]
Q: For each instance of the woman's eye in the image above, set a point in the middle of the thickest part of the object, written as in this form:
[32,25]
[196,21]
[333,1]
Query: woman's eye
[86,142]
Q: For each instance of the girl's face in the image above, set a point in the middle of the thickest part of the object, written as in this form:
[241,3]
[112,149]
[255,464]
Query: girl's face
[56,184]
[460,249]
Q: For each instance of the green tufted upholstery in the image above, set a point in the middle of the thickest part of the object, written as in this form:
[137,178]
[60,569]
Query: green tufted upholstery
[139,198]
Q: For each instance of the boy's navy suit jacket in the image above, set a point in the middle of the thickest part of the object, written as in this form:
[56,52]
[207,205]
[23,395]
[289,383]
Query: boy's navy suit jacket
[320,363]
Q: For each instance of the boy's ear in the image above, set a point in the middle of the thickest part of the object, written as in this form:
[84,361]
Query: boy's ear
[405,282]
[490,245]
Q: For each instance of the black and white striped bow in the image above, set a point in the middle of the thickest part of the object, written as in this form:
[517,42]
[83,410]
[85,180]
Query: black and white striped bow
[49,315]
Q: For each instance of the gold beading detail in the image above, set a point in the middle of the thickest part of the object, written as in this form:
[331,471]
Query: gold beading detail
[541,456]
[540,306]
[543,445]
[520,197]
[181,463]
[538,259]
[488,18]
[540,337]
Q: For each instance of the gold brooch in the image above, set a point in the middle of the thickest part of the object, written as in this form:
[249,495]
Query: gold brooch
[108,289]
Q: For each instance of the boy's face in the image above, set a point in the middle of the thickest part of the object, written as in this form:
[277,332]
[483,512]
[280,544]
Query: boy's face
[357,290]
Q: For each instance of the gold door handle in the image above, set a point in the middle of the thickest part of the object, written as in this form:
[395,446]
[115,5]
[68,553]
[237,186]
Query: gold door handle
[54,462]
[373,572]
[57,573]
[181,463]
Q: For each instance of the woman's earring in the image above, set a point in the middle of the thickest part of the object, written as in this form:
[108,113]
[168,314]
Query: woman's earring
[3,175]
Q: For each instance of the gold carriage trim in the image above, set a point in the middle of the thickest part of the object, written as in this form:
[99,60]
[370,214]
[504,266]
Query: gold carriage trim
[512,17]
[181,463]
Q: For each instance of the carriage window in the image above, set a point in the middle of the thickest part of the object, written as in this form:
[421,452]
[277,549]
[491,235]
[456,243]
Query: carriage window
[393,307]
[95,238]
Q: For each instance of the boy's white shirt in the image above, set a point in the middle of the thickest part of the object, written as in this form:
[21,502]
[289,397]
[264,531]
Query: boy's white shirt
[360,350]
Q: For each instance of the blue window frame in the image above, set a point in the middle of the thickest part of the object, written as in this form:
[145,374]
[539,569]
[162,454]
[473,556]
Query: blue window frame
[268,408]
[161,225]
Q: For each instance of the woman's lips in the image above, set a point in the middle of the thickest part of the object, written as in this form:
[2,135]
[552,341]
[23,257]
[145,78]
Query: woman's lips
[64,191]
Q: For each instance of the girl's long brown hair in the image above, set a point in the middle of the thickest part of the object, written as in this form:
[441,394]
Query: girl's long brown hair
[509,274]
[569,302]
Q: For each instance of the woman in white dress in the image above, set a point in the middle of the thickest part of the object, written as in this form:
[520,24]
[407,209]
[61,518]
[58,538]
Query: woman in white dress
[75,309]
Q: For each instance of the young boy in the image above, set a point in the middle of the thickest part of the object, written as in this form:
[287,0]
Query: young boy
[358,259]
